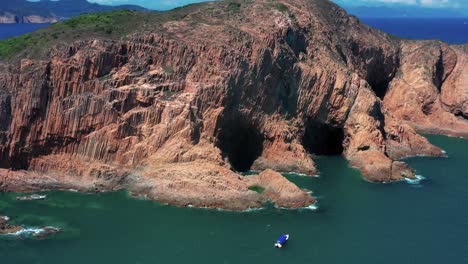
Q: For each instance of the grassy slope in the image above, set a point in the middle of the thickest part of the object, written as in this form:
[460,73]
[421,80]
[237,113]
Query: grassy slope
[60,8]
[113,25]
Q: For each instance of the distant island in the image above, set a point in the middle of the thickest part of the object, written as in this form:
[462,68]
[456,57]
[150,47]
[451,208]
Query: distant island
[47,11]
[402,12]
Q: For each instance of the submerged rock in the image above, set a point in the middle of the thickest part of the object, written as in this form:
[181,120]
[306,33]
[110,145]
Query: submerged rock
[47,231]
[31,197]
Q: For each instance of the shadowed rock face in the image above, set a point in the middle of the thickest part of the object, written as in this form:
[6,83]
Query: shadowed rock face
[169,113]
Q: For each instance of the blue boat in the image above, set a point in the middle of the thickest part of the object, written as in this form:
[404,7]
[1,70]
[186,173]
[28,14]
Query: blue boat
[281,241]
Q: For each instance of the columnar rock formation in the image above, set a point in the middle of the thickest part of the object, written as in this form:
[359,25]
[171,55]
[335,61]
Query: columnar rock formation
[232,86]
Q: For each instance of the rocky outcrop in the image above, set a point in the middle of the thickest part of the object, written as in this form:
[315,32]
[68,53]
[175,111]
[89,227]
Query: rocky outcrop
[174,113]
[10,18]
[6,228]
[430,91]
[39,233]
[281,191]
[46,231]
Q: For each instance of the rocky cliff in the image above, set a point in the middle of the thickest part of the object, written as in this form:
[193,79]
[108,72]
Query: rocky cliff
[173,111]
[12,18]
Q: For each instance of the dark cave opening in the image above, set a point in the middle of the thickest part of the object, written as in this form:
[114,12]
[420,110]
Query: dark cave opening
[438,76]
[323,139]
[241,143]
[380,89]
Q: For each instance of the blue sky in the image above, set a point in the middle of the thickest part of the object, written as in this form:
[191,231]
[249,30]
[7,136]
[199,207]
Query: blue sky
[167,4]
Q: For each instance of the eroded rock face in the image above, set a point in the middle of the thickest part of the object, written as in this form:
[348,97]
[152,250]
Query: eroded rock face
[430,91]
[169,113]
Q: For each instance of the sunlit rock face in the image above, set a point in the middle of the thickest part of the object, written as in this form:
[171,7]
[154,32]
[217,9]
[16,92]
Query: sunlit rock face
[175,112]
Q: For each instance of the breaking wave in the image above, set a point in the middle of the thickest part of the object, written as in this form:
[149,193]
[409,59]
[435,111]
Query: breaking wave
[27,232]
[416,181]
[313,206]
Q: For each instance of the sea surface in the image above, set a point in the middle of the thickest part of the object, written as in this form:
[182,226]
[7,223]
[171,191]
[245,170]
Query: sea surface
[13,30]
[356,222]
[450,30]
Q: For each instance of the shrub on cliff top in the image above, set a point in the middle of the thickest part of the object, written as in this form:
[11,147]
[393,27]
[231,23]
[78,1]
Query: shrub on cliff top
[234,7]
[111,25]
[257,188]
[281,7]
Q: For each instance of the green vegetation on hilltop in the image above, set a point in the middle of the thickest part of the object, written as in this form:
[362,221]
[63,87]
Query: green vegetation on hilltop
[234,6]
[282,7]
[119,24]
[113,25]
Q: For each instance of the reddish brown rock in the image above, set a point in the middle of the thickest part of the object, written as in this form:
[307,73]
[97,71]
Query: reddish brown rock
[430,90]
[173,112]
[281,191]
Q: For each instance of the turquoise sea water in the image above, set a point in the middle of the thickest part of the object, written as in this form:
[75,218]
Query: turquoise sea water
[356,222]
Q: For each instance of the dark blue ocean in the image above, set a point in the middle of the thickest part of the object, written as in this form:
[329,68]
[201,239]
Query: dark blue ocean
[12,30]
[450,30]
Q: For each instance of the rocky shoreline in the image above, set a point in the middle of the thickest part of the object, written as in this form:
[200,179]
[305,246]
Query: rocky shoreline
[232,191]
[39,233]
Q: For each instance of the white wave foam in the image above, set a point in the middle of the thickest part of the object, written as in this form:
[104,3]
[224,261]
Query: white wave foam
[313,206]
[292,173]
[27,231]
[418,179]
[254,209]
